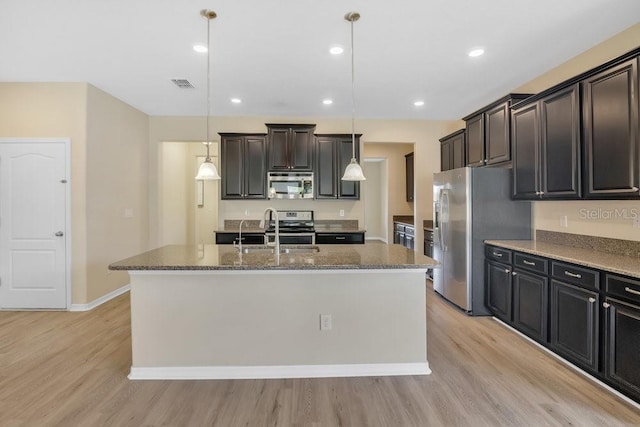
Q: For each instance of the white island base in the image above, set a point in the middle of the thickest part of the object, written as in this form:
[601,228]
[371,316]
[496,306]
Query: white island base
[200,324]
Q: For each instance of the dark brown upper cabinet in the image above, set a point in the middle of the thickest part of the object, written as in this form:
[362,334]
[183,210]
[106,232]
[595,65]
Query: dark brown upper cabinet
[610,128]
[452,151]
[243,166]
[409,175]
[546,147]
[332,155]
[488,133]
[290,147]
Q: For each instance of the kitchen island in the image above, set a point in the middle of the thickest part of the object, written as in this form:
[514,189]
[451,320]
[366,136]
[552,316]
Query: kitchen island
[212,312]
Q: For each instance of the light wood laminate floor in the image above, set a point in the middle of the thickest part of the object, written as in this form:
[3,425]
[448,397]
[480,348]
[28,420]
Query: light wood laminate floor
[70,369]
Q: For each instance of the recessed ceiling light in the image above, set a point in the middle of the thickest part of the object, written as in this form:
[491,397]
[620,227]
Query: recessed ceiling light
[327,101]
[236,100]
[200,48]
[476,52]
[336,50]
[418,103]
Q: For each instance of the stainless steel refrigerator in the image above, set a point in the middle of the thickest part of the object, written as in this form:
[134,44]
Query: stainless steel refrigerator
[472,205]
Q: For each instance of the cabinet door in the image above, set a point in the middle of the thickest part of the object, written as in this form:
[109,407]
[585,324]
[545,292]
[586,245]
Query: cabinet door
[326,168]
[347,189]
[457,151]
[610,121]
[525,152]
[475,141]
[409,176]
[623,345]
[255,167]
[560,144]
[231,167]
[301,149]
[446,149]
[498,292]
[530,304]
[497,141]
[574,323]
[278,149]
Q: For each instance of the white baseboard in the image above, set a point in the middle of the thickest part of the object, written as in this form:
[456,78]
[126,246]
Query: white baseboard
[267,372]
[93,304]
[572,366]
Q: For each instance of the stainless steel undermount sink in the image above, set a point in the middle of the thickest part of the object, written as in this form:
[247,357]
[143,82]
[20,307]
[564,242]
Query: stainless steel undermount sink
[255,249]
[299,249]
[293,249]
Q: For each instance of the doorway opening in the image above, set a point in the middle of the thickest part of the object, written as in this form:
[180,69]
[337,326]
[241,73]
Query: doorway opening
[188,208]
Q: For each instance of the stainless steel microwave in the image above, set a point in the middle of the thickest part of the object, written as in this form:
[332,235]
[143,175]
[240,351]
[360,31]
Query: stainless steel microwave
[290,185]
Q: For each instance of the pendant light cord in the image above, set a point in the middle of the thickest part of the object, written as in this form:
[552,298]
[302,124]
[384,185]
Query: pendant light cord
[353,98]
[208,159]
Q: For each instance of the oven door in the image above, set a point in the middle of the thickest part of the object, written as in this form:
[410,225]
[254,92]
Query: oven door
[291,238]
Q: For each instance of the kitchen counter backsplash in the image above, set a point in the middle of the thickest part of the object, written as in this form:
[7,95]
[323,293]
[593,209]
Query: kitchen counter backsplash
[336,224]
[599,244]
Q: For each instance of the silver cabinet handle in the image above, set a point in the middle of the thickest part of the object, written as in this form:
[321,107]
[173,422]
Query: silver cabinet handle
[634,188]
[340,237]
[506,270]
[632,291]
[592,300]
[497,254]
[606,305]
[528,262]
[570,274]
[514,274]
[59,234]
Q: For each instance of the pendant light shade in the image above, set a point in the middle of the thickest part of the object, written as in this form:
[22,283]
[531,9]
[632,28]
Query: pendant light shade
[353,171]
[207,170]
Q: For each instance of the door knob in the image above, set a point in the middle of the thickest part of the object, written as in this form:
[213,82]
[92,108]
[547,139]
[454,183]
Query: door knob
[59,234]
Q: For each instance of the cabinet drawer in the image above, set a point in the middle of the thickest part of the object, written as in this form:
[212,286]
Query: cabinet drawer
[398,227]
[576,275]
[409,231]
[530,262]
[498,254]
[428,234]
[623,287]
[339,238]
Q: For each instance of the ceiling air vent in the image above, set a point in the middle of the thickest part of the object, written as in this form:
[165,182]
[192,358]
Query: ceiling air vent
[182,83]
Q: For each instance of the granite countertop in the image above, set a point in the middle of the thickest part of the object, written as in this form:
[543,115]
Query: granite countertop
[244,230]
[226,257]
[621,264]
[337,228]
[404,219]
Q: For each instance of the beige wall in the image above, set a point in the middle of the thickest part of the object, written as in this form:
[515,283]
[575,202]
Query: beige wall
[547,214]
[108,172]
[424,134]
[396,163]
[375,196]
[59,110]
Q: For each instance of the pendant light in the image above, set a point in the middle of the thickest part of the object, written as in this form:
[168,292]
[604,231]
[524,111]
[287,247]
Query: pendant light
[208,170]
[353,171]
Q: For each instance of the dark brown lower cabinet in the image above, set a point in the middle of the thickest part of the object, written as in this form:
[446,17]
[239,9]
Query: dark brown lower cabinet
[530,304]
[623,345]
[498,291]
[575,323]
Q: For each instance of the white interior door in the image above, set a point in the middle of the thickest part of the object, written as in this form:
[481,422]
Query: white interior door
[33,225]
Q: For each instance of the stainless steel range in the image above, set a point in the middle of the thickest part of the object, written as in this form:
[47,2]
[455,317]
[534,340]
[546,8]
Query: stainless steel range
[296,227]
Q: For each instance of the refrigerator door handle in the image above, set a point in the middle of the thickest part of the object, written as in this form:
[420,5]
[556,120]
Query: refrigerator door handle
[444,207]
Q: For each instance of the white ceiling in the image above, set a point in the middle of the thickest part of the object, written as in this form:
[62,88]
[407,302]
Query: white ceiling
[274,54]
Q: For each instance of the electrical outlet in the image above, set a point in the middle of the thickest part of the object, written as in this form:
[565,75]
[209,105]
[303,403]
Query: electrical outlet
[636,221]
[128,213]
[325,322]
[563,221]
[341,212]
[246,212]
